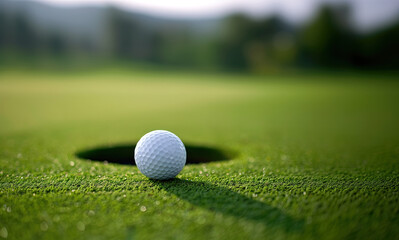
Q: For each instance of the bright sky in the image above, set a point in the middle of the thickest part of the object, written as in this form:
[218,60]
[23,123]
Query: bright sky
[367,12]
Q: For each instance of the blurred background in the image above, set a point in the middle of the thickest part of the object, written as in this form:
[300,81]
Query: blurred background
[230,35]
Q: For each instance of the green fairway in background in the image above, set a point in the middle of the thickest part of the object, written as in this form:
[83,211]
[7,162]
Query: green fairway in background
[309,156]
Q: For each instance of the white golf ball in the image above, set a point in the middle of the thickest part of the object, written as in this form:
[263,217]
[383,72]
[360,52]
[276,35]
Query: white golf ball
[160,155]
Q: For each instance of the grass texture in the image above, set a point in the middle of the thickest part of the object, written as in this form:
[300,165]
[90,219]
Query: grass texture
[308,156]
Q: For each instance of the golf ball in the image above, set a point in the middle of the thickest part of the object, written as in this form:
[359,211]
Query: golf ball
[160,155]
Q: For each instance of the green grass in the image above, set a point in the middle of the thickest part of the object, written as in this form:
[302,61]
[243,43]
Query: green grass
[316,156]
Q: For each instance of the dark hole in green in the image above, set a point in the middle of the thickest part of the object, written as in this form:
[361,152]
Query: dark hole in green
[124,154]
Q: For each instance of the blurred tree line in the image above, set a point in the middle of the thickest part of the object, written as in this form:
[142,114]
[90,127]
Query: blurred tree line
[19,36]
[328,40]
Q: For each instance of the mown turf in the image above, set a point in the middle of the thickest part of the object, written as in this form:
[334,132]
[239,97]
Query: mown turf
[315,156]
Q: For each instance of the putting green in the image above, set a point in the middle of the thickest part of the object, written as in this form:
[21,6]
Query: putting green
[305,156]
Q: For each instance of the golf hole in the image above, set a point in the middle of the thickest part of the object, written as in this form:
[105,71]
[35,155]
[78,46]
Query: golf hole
[124,154]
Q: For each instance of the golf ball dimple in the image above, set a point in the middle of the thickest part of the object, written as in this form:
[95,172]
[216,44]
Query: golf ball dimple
[160,155]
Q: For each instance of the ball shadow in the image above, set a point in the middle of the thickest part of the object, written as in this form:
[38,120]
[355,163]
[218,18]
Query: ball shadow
[124,154]
[226,201]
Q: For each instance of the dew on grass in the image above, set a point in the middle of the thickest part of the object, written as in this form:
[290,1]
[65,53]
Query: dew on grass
[3,232]
[201,220]
[80,226]
[44,226]
[56,218]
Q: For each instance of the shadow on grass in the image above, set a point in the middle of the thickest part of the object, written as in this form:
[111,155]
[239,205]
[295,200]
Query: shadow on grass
[226,201]
[124,154]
